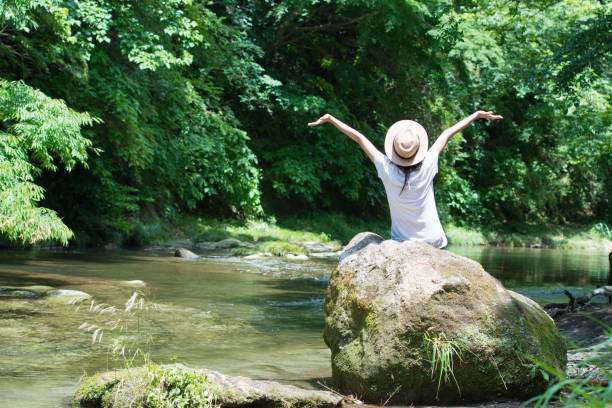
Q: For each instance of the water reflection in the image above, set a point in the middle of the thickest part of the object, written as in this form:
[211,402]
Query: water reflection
[522,266]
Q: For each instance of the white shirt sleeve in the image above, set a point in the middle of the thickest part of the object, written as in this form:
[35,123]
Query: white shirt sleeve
[430,164]
[380,161]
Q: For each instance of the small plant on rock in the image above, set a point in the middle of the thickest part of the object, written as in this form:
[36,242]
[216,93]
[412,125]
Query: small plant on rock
[179,387]
[441,354]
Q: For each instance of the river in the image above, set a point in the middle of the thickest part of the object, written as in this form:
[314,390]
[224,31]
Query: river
[260,318]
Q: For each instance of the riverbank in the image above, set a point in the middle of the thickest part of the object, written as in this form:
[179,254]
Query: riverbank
[338,229]
[285,235]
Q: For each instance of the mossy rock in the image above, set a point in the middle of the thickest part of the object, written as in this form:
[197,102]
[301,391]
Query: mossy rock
[33,291]
[161,385]
[229,243]
[390,305]
[280,248]
[46,294]
[241,251]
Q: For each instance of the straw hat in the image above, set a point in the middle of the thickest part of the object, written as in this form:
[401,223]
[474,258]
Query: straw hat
[406,143]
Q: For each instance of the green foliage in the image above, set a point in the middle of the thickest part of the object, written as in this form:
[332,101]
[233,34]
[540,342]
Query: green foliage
[587,47]
[204,106]
[92,390]
[581,391]
[156,73]
[280,248]
[603,229]
[176,386]
[34,129]
[335,226]
[335,57]
[216,161]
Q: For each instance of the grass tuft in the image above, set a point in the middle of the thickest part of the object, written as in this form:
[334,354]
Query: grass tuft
[441,354]
[591,390]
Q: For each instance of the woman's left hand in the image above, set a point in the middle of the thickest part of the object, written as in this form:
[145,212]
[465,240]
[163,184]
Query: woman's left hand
[322,119]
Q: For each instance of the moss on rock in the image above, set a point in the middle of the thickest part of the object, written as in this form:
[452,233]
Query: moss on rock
[157,386]
[280,248]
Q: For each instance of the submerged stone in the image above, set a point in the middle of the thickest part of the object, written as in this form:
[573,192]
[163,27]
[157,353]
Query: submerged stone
[46,294]
[325,255]
[33,291]
[404,317]
[134,283]
[66,296]
[297,257]
[185,253]
[319,247]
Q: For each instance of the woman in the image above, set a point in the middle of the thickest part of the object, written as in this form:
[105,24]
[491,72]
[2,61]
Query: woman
[407,171]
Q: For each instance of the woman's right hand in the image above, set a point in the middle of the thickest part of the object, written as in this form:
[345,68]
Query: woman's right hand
[325,118]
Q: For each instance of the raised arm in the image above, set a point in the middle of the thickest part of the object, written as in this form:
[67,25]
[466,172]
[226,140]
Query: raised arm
[363,141]
[459,126]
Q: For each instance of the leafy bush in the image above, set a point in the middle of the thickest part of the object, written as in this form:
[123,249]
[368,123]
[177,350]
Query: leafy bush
[33,129]
[604,230]
[176,386]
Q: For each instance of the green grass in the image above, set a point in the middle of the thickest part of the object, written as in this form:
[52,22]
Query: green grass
[441,354]
[328,227]
[582,391]
[551,236]
[277,248]
[209,229]
[464,237]
[280,248]
[340,228]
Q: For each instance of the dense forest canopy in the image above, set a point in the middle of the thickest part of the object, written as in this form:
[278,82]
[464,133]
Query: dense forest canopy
[111,109]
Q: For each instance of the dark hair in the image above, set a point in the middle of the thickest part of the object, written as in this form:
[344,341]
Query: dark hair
[407,170]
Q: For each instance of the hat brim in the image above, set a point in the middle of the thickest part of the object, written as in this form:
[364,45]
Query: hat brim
[414,128]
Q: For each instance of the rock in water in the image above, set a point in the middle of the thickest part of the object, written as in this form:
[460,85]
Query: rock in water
[185,253]
[390,305]
[66,296]
[169,384]
[33,291]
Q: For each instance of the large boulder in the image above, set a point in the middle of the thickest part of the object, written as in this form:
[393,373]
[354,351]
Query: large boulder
[401,318]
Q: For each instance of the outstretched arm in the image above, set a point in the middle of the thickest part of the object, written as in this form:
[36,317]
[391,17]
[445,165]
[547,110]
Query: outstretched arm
[459,126]
[365,144]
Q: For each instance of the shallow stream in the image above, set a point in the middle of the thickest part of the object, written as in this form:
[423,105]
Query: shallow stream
[261,318]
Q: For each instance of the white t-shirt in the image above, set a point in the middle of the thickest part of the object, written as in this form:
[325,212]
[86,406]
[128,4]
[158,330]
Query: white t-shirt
[413,212]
